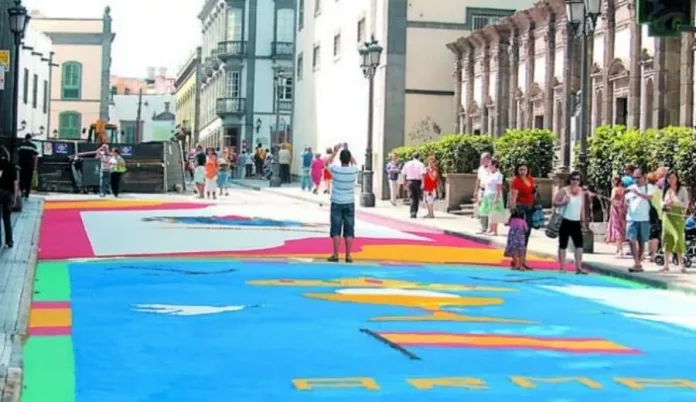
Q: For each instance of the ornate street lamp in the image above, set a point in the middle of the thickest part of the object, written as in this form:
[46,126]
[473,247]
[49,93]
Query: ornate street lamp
[280,79]
[583,14]
[370,54]
[18,20]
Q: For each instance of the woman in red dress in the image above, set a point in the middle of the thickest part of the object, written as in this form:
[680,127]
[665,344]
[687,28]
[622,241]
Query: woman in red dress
[328,158]
[430,184]
[522,198]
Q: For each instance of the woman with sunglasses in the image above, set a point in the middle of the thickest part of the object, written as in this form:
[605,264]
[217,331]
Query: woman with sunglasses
[570,201]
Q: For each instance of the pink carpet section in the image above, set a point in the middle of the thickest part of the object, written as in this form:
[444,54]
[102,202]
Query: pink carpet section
[50,331]
[64,236]
[50,304]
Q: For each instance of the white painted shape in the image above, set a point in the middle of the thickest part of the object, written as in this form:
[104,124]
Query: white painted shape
[622,38]
[103,227]
[395,292]
[540,71]
[645,304]
[170,309]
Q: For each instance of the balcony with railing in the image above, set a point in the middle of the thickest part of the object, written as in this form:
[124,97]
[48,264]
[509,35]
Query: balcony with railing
[231,49]
[230,106]
[214,60]
[282,50]
[285,106]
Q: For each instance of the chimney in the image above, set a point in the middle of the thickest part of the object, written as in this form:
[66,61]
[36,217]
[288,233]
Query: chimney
[166,107]
[150,75]
[162,71]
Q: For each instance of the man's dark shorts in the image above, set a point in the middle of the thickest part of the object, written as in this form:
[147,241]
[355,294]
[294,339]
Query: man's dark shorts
[342,220]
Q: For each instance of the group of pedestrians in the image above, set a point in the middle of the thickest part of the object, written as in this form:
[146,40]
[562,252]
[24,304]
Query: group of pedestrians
[212,171]
[315,173]
[112,168]
[649,212]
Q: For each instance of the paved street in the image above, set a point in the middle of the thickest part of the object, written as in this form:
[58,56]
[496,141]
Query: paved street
[174,299]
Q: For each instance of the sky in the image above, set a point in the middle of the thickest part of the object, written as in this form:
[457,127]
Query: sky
[148,32]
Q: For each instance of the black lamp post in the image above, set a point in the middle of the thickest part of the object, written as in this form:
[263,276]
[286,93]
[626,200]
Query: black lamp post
[583,14]
[279,79]
[19,20]
[370,54]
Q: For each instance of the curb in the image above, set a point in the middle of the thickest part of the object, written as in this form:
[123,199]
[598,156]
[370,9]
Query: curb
[595,267]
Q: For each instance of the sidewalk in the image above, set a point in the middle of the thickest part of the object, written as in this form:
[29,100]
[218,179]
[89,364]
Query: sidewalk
[16,280]
[602,261]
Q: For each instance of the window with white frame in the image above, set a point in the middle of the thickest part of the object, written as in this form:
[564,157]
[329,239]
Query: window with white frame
[286,90]
[234,82]
[284,28]
[362,31]
[300,66]
[480,20]
[337,45]
[234,24]
[316,57]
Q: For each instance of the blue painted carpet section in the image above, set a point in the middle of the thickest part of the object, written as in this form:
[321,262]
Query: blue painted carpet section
[253,354]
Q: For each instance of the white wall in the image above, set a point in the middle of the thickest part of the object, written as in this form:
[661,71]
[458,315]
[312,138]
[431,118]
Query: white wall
[331,102]
[31,59]
[125,108]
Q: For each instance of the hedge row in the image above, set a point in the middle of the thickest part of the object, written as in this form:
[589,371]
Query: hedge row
[460,153]
[610,149]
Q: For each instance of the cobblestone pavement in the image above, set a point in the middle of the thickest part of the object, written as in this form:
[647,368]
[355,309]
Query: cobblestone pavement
[178,299]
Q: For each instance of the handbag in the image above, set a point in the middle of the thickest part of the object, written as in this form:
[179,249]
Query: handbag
[538,213]
[554,225]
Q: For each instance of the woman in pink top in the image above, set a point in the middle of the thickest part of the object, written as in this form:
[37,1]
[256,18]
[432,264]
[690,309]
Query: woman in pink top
[316,171]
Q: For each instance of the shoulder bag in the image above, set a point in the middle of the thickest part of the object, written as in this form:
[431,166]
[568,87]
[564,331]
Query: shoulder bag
[554,225]
[538,212]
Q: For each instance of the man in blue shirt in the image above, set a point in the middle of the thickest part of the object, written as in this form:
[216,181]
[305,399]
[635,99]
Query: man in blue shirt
[343,203]
[305,181]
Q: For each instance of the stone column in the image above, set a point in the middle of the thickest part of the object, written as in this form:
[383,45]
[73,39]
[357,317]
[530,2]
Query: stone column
[485,87]
[528,48]
[549,90]
[502,90]
[660,83]
[457,76]
[636,73]
[686,114]
[609,34]
[470,77]
[568,96]
[514,58]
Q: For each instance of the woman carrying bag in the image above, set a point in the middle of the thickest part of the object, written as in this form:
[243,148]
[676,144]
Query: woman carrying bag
[568,219]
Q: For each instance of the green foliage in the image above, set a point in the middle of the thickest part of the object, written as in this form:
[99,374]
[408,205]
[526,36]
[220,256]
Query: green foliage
[533,147]
[610,149]
[455,153]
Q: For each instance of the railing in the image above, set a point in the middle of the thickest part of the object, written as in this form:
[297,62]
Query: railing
[282,50]
[230,106]
[231,49]
[284,106]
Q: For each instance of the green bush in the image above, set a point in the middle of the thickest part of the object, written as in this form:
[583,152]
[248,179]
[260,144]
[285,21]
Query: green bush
[533,147]
[455,153]
[610,149]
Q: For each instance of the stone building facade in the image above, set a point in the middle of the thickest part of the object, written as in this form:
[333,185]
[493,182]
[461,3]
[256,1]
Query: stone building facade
[524,72]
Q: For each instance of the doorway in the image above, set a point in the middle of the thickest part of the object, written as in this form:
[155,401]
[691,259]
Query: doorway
[621,111]
[231,137]
[539,122]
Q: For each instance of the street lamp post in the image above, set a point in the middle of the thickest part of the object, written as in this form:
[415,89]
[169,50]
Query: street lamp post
[584,14]
[19,20]
[370,54]
[279,79]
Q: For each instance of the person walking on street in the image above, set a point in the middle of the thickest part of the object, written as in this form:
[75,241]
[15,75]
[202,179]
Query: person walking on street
[393,169]
[342,215]
[317,168]
[28,159]
[522,198]
[571,201]
[305,181]
[118,168]
[248,161]
[491,204]
[616,227]
[259,159]
[414,174]
[284,160]
[431,181]
[638,197]
[675,200]
[212,169]
[224,174]
[199,175]
[481,178]
[8,194]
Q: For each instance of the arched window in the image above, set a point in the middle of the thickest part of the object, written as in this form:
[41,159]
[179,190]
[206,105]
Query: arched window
[71,83]
[69,125]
